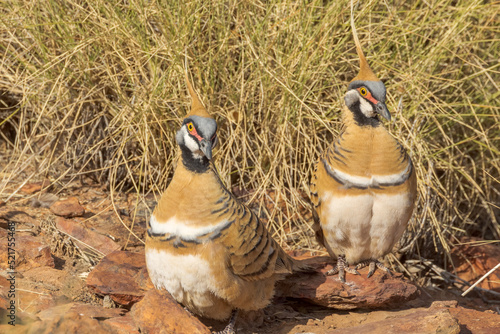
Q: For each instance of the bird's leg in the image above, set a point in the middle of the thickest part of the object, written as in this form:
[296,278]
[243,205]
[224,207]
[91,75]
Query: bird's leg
[230,328]
[372,264]
[341,267]
[381,266]
[372,269]
[362,264]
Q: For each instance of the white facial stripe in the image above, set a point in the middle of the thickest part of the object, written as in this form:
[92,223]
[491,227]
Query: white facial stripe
[189,141]
[366,107]
[183,229]
[373,181]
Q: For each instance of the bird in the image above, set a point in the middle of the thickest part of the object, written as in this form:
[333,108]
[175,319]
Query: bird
[363,186]
[207,249]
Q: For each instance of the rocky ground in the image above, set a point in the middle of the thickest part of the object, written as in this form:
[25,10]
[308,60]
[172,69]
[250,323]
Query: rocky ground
[79,268]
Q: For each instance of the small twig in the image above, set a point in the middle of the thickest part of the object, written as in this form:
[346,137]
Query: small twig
[481,279]
[35,292]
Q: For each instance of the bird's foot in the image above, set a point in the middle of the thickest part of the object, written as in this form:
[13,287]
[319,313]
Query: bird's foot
[342,267]
[231,326]
[373,264]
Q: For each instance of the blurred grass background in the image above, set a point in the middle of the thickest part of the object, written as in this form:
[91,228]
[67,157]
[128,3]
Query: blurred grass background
[95,90]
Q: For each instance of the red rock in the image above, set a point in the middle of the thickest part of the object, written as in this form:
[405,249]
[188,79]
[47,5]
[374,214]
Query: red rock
[109,223]
[143,279]
[476,321]
[471,260]
[20,318]
[4,304]
[157,312]
[86,237]
[31,188]
[380,290]
[68,208]
[422,321]
[48,276]
[17,217]
[4,286]
[18,329]
[55,312]
[29,252]
[121,276]
[33,303]
[96,312]
[70,323]
[122,325]
[87,310]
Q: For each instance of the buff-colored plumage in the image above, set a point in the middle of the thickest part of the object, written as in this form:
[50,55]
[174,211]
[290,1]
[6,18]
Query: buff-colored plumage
[206,248]
[361,152]
[364,185]
[197,107]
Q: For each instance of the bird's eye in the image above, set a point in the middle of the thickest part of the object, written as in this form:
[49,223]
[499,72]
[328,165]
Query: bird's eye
[363,91]
[190,127]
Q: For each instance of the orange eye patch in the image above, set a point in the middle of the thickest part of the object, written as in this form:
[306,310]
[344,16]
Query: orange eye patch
[193,131]
[367,95]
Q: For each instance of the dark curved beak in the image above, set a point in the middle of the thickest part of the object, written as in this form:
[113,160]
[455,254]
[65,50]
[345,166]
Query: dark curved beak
[206,148]
[382,110]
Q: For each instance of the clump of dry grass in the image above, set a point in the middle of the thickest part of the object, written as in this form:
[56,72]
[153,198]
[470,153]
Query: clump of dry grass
[97,89]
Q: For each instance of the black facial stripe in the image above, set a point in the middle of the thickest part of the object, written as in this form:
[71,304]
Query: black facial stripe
[360,118]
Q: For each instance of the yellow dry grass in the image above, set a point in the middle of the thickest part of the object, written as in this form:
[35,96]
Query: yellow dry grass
[96,89]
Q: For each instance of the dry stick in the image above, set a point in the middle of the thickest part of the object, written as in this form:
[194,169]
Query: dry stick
[481,279]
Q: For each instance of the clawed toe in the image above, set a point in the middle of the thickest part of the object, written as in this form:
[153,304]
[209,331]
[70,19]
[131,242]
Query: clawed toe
[230,328]
[341,268]
[352,271]
[373,264]
[332,271]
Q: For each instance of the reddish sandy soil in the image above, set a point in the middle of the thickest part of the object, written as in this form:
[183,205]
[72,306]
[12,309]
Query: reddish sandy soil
[54,275]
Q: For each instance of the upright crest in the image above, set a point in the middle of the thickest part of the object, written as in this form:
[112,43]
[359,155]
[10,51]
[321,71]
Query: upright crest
[365,72]
[197,108]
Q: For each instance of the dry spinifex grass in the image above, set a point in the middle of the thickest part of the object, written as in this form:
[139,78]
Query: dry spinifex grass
[96,89]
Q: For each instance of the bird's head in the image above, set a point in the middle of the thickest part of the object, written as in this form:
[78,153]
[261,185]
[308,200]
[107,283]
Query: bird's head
[366,100]
[197,136]
[365,95]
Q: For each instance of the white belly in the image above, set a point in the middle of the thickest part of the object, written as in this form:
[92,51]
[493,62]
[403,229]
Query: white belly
[366,226]
[188,278]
